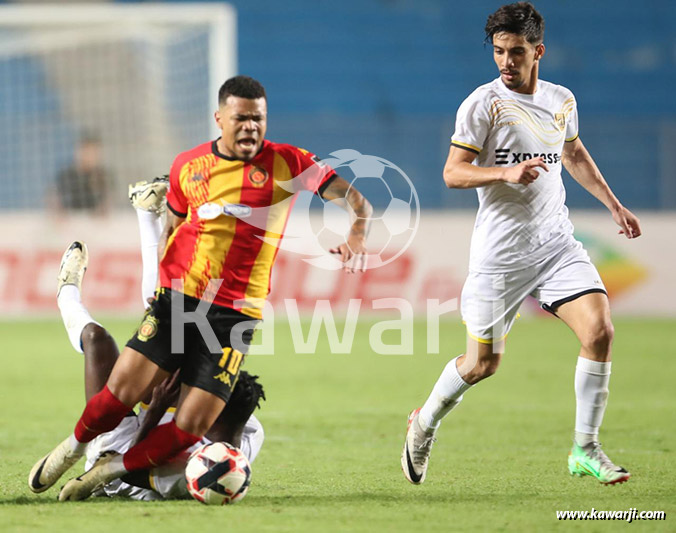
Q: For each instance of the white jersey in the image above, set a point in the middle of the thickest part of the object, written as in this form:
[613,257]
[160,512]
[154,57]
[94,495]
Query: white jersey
[518,225]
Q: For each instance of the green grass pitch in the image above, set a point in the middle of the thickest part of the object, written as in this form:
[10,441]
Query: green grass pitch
[335,426]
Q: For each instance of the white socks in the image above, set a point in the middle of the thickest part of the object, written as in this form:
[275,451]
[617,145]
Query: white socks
[150,228]
[116,466]
[75,316]
[446,394]
[591,392]
[78,447]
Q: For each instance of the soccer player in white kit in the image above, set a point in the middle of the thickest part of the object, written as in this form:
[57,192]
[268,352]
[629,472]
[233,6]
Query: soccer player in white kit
[512,135]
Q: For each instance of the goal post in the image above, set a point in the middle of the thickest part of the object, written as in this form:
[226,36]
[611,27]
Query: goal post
[142,77]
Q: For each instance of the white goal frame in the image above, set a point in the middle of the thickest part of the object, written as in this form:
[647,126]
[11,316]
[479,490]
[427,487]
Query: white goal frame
[221,19]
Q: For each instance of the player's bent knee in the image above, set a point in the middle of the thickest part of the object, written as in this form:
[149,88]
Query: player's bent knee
[194,425]
[133,376]
[473,371]
[94,334]
[199,411]
[489,367]
[599,337]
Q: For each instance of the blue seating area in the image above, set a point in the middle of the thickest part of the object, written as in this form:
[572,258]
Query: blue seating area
[33,120]
[385,77]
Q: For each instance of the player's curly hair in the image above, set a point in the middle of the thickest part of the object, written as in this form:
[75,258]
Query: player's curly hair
[245,398]
[520,18]
[242,86]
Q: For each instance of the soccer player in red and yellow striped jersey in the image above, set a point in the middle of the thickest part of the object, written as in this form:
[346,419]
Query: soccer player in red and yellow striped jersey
[234,249]
[210,254]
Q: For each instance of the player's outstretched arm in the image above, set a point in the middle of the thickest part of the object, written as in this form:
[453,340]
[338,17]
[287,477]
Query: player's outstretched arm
[460,173]
[581,166]
[353,252]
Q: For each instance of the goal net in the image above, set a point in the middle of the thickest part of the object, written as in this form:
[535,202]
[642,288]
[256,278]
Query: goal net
[139,81]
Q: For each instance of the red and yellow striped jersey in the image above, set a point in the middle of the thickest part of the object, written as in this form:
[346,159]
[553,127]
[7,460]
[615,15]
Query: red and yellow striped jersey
[217,241]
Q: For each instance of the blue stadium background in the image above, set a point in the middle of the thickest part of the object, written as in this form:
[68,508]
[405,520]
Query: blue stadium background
[386,76]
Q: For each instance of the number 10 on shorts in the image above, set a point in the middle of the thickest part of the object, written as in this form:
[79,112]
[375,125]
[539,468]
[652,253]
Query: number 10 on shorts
[231,360]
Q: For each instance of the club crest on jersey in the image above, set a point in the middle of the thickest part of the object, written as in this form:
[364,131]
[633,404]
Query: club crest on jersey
[196,177]
[560,120]
[258,176]
[148,328]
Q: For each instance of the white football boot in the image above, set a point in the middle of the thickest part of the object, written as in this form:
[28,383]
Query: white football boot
[94,479]
[73,266]
[417,448]
[150,195]
[52,466]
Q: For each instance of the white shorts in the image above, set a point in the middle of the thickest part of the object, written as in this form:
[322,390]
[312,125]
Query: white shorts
[490,302]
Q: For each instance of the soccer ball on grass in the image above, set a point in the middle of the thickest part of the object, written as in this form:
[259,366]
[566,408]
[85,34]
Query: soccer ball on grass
[218,473]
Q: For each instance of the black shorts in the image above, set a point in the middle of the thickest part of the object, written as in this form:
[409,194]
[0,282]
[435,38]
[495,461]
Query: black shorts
[214,371]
